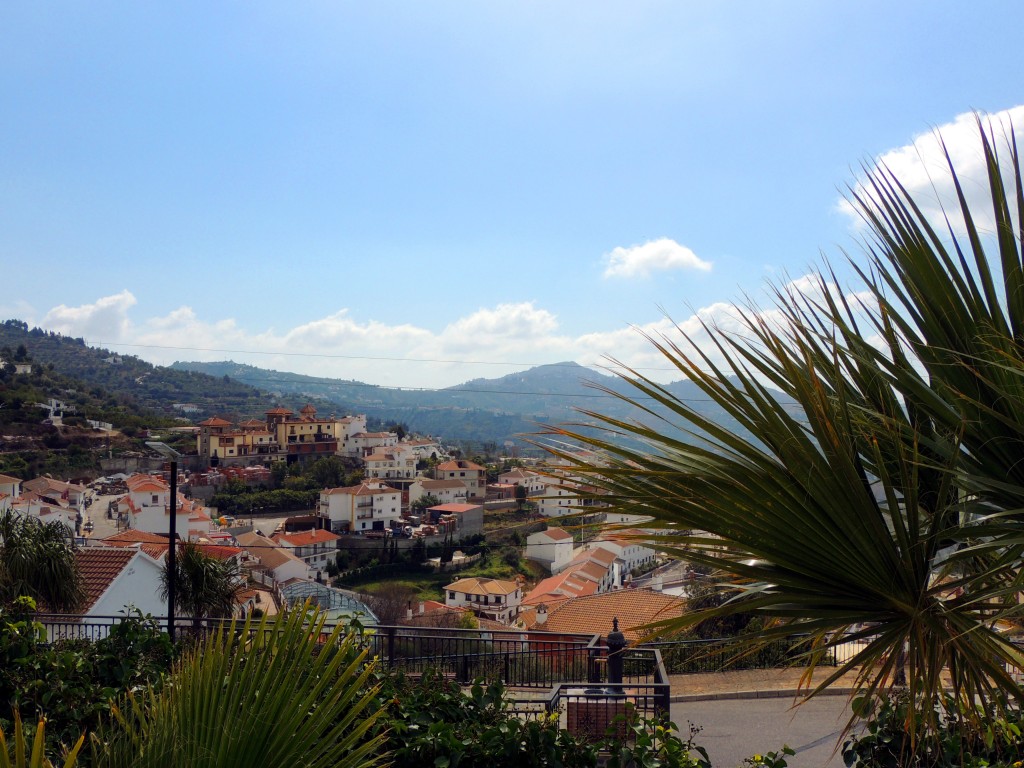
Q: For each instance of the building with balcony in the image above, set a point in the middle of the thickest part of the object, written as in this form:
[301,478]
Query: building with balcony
[147,507]
[493,599]
[472,475]
[314,547]
[282,435]
[369,506]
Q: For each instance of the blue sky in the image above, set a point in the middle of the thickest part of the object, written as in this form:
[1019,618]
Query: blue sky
[363,190]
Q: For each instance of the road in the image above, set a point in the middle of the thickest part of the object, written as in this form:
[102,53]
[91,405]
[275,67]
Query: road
[733,729]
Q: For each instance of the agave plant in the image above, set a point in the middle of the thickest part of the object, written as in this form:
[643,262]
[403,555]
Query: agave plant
[35,757]
[281,691]
[881,495]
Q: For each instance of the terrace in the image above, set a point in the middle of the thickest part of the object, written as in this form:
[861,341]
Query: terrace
[586,680]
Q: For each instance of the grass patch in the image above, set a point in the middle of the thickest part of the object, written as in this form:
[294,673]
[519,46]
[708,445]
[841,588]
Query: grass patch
[430,586]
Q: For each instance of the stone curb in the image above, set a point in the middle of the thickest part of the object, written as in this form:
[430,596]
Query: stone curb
[783,693]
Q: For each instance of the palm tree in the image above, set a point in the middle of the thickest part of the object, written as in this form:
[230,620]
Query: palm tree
[879,499]
[204,586]
[37,560]
[282,691]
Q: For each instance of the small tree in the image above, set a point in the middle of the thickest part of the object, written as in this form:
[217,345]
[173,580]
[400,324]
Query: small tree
[204,586]
[37,560]
[520,495]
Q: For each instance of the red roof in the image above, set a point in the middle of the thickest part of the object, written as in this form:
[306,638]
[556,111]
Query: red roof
[305,538]
[557,534]
[98,567]
[594,614]
[450,466]
[458,509]
[215,422]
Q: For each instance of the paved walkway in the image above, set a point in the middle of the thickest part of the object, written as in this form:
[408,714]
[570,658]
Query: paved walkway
[751,684]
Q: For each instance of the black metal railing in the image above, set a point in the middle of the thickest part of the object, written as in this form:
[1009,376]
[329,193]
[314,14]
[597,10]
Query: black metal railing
[725,654]
[545,673]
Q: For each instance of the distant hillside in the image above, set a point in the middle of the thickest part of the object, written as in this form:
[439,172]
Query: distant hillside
[492,410]
[132,381]
[481,411]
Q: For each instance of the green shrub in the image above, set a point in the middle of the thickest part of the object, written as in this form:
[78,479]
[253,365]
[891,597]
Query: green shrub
[896,736]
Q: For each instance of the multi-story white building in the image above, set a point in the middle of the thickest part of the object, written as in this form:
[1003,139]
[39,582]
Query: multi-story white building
[534,482]
[552,548]
[390,464]
[315,547]
[147,507]
[473,475]
[630,552]
[369,506]
[445,491]
[367,443]
[489,598]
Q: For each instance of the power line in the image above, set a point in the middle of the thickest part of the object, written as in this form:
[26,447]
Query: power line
[360,357]
[452,391]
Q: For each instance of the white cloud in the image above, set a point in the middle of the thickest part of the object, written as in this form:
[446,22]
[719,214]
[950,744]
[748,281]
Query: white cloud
[487,343]
[106,319]
[653,256]
[922,168]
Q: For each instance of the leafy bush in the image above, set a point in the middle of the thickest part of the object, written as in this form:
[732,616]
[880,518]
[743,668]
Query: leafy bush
[73,683]
[896,736]
[432,723]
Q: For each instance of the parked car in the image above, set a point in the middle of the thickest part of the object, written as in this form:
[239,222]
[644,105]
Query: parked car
[88,526]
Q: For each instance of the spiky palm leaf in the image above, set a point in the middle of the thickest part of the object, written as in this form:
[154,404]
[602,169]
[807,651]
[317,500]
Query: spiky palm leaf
[38,560]
[847,517]
[277,692]
[204,586]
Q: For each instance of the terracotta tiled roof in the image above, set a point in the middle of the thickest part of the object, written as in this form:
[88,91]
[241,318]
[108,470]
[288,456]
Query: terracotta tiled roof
[598,555]
[452,466]
[363,489]
[215,422]
[557,534]
[5,479]
[454,508]
[594,571]
[474,586]
[279,412]
[153,544]
[138,483]
[563,585]
[305,538]
[220,551]
[632,607]
[271,555]
[98,567]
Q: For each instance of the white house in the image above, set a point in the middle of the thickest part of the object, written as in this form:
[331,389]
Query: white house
[279,562]
[473,475]
[69,494]
[314,547]
[489,598]
[445,491]
[369,506]
[630,551]
[345,429]
[552,548]
[371,442]
[114,579]
[534,482]
[390,464]
[147,507]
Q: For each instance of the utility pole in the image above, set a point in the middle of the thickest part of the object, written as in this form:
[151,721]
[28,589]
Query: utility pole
[172,551]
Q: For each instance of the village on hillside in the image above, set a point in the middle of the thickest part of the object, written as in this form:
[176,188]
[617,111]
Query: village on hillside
[412,496]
